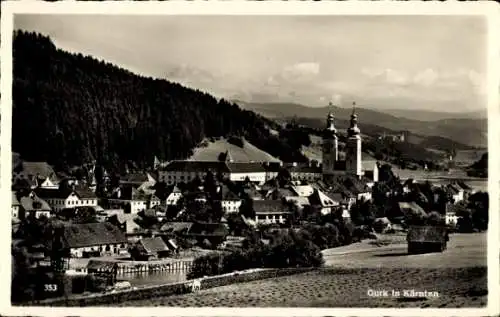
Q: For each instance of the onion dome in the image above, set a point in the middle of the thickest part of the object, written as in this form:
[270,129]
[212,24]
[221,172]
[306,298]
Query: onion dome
[353,129]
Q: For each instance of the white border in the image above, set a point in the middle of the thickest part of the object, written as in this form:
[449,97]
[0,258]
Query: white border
[484,8]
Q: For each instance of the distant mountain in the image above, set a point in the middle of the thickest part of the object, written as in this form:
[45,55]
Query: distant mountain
[424,115]
[470,132]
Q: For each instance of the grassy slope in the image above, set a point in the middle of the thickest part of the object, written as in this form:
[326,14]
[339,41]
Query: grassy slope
[248,152]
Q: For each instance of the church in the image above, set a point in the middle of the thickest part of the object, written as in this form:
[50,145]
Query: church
[353,164]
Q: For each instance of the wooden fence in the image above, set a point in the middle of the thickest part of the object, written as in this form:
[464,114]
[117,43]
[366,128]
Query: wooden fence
[174,267]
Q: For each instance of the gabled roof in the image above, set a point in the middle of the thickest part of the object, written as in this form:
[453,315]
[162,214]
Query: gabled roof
[196,166]
[368,165]
[303,190]
[42,169]
[273,166]
[208,229]
[303,168]
[299,200]
[153,245]
[463,185]
[15,202]
[320,198]
[34,203]
[280,192]
[227,194]
[269,207]
[411,208]
[96,265]
[176,226]
[81,192]
[90,234]
[130,193]
[453,189]
[241,167]
[253,193]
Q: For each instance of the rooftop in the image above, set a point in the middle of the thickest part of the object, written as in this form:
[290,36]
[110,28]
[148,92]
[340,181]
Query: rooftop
[91,234]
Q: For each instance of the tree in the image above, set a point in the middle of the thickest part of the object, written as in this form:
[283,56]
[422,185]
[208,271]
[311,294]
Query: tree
[246,209]
[479,205]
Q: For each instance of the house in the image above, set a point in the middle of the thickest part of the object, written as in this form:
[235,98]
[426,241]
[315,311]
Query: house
[125,222]
[105,269]
[176,227]
[34,206]
[68,198]
[408,185]
[304,171]
[272,169]
[456,192]
[326,203]
[270,211]
[239,172]
[15,206]
[174,196]
[299,201]
[411,208]
[153,200]
[382,225]
[137,180]
[203,232]
[130,199]
[40,174]
[185,171]
[451,218]
[93,239]
[252,193]
[303,190]
[278,193]
[150,248]
[230,202]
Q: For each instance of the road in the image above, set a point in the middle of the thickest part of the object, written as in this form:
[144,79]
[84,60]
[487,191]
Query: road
[464,250]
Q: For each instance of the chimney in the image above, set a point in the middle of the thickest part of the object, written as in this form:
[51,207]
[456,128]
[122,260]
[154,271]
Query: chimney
[294,164]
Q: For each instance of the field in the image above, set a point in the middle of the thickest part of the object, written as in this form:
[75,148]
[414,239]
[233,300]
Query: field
[458,276]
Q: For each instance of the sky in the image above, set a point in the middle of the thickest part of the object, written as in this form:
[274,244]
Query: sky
[391,62]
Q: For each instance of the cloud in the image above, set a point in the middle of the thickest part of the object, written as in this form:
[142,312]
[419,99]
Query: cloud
[299,72]
[426,78]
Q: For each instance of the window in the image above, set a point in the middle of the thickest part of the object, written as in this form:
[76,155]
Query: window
[108,248]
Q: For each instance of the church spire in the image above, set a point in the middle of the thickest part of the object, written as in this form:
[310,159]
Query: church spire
[330,120]
[353,129]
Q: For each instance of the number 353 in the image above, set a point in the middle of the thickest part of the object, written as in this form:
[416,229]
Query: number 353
[50,287]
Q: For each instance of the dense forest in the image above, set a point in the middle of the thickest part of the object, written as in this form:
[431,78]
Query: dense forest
[70,109]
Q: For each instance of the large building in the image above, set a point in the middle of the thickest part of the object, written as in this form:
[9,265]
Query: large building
[353,163]
[259,172]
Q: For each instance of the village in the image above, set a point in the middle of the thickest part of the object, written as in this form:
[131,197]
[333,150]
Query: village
[162,219]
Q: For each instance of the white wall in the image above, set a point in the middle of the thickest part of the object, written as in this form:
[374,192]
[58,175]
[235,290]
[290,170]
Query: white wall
[72,201]
[15,211]
[173,198]
[258,177]
[78,252]
[231,206]
[261,218]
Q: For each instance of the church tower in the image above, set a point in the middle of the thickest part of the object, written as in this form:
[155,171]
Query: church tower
[330,146]
[353,146]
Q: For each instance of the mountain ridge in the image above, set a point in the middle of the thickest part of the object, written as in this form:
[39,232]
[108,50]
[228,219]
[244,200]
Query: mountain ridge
[470,132]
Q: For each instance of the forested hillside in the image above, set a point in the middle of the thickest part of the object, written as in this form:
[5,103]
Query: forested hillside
[69,109]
